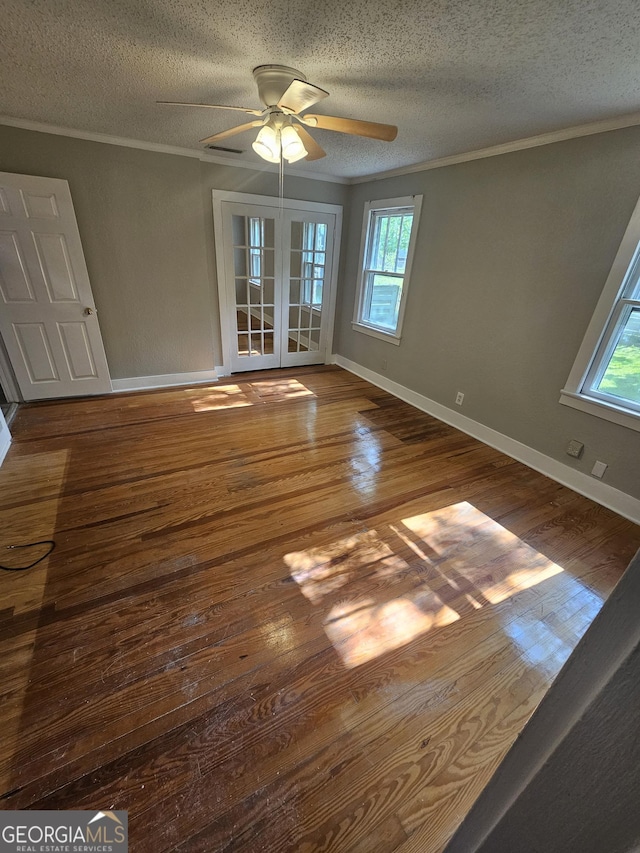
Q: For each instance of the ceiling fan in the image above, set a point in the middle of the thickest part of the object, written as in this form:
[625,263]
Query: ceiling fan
[286,95]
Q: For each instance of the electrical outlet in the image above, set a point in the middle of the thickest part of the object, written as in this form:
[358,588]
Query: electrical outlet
[384,364]
[598,469]
[459,398]
[575,448]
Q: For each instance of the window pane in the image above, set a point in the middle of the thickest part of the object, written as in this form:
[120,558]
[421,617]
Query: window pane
[379,242]
[268,262]
[256,231]
[268,294]
[240,262]
[321,237]
[307,264]
[309,235]
[241,291]
[295,269]
[383,300]
[238,232]
[621,377]
[255,263]
[390,242]
[296,235]
[405,236]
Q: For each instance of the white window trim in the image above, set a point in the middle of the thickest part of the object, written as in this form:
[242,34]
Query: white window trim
[359,325]
[574,393]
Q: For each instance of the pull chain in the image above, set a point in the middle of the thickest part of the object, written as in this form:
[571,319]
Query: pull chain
[281,177]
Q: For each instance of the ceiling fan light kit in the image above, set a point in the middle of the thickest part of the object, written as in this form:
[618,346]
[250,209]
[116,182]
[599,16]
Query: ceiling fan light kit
[286,94]
[276,140]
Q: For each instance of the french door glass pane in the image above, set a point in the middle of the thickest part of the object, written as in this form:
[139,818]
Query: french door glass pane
[307,271]
[254,271]
[621,377]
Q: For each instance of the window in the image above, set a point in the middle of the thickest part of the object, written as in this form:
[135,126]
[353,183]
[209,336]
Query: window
[605,379]
[388,240]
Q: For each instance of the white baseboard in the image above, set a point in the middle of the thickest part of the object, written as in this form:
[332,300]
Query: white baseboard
[5,438]
[167,380]
[608,496]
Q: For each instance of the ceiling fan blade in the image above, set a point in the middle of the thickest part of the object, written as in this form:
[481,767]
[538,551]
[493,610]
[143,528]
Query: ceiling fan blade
[372,129]
[240,128]
[300,96]
[314,151]
[211,107]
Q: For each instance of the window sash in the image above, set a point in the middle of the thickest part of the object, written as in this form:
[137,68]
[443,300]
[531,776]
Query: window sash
[378,244]
[369,292]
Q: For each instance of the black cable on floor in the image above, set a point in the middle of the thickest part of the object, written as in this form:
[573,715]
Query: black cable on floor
[49,542]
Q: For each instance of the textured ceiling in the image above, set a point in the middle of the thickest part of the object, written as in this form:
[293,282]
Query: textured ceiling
[454,75]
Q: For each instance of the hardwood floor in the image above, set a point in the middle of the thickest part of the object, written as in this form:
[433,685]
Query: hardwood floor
[285,612]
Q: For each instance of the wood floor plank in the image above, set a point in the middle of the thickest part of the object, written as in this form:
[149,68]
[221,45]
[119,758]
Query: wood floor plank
[285,609]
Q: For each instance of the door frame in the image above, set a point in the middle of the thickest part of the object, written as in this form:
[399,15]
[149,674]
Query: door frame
[7,380]
[275,203]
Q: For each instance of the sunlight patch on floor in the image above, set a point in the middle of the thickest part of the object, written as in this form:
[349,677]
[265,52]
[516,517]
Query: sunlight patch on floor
[382,588]
[234,396]
[222,397]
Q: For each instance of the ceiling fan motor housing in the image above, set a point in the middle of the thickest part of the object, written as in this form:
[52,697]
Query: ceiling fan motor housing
[273,81]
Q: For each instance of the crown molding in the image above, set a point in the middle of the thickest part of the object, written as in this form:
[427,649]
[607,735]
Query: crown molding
[159,148]
[629,120]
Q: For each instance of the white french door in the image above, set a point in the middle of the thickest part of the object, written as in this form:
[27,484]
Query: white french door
[47,314]
[276,279]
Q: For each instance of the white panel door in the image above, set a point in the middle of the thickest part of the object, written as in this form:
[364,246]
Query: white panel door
[277,274]
[48,318]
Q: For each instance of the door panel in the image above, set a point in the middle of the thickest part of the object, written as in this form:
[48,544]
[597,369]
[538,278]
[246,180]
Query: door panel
[308,252]
[252,255]
[48,321]
[53,257]
[35,349]
[40,206]
[15,285]
[77,350]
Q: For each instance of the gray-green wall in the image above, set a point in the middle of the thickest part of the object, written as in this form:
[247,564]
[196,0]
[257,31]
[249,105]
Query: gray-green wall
[512,255]
[146,225]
